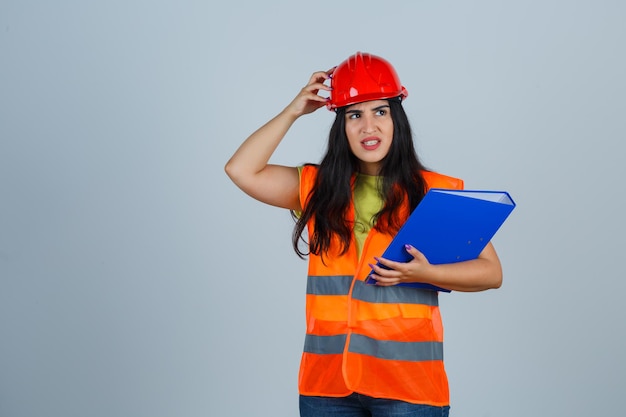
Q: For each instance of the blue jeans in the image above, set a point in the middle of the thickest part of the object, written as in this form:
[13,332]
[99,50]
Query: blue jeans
[357,405]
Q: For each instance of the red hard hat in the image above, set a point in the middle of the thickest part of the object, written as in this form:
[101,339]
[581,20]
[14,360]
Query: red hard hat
[364,77]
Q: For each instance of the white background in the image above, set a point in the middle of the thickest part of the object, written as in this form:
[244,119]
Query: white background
[136,280]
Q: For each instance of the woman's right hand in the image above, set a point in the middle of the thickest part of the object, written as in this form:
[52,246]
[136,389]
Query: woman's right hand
[309,100]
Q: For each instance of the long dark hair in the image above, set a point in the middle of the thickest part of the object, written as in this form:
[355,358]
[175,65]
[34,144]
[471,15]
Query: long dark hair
[330,198]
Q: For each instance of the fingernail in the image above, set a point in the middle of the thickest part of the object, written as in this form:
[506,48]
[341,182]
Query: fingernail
[408,247]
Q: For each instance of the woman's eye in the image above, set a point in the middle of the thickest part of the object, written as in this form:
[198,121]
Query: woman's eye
[354,116]
[381,112]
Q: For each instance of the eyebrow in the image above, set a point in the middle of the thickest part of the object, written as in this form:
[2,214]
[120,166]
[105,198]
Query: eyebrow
[384,106]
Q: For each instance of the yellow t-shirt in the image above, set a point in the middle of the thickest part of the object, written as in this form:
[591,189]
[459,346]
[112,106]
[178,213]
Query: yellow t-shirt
[367,202]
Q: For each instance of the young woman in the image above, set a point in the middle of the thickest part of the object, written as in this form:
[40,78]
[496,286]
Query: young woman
[370,350]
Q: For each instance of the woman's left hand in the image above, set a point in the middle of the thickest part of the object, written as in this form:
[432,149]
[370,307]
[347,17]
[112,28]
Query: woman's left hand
[416,270]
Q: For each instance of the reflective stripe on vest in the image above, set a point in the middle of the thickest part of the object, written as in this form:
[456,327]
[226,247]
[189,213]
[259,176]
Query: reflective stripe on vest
[329,285]
[340,285]
[382,349]
[324,345]
[400,351]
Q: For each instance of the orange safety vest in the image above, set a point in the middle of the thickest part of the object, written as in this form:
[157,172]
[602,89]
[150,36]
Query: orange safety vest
[384,342]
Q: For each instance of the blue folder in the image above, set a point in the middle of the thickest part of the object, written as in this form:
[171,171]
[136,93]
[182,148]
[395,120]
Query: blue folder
[450,226]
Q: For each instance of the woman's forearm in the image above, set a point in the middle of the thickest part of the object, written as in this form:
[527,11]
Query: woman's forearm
[255,152]
[475,275]
[482,273]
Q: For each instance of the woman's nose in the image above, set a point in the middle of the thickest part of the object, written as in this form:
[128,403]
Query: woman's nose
[369,125]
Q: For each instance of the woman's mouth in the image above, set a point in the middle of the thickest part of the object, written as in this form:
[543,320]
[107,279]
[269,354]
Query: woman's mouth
[370,144]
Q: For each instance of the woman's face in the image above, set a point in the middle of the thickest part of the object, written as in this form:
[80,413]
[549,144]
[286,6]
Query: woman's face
[369,129]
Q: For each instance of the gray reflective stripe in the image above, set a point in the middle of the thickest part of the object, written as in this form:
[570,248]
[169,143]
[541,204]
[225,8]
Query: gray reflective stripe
[328,285]
[324,345]
[408,295]
[402,351]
